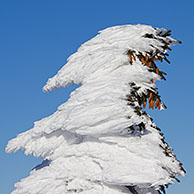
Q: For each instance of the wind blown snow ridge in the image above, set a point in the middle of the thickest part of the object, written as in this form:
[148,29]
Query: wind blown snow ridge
[101,141]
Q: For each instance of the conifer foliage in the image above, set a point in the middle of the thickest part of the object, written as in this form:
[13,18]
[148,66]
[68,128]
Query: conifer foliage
[101,140]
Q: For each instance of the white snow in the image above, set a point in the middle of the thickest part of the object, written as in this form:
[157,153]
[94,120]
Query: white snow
[87,138]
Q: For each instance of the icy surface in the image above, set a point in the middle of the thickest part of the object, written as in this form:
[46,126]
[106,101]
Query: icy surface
[86,140]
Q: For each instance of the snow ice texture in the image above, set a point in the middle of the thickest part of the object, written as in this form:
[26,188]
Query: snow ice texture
[86,145]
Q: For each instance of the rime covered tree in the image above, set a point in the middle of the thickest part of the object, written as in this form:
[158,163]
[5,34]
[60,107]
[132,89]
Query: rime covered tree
[101,140]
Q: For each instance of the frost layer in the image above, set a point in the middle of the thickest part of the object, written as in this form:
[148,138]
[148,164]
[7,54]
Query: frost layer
[87,143]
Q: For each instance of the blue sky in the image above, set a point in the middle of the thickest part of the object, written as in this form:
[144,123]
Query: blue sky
[37,36]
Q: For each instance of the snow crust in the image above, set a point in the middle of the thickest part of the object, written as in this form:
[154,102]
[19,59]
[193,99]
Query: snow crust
[87,140]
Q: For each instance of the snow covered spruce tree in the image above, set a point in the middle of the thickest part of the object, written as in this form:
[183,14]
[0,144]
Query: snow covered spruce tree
[101,141]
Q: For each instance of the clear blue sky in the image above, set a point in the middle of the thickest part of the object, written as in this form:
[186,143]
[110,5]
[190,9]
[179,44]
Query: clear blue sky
[37,36]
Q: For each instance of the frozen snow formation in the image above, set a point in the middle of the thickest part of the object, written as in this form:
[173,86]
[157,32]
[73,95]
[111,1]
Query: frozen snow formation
[101,141]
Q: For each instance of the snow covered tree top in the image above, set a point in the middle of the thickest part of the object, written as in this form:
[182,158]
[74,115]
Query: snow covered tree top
[101,140]
[108,50]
